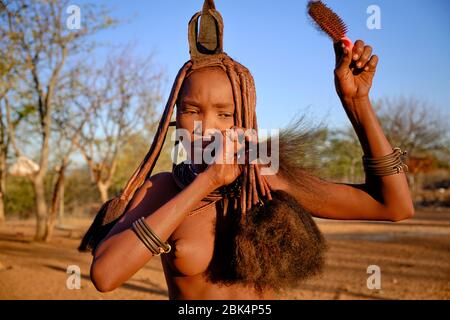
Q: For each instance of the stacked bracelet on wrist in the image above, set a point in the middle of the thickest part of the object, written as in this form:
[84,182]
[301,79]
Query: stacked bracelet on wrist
[386,165]
[153,243]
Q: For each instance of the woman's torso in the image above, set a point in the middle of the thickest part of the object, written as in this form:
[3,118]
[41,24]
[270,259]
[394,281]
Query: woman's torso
[186,266]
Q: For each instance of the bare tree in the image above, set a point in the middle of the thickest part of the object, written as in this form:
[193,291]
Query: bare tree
[69,118]
[11,70]
[125,92]
[413,125]
[45,45]
[416,127]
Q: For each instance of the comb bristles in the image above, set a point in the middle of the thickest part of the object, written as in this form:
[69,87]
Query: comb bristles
[327,21]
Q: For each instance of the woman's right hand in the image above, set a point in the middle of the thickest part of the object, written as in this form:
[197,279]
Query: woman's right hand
[228,169]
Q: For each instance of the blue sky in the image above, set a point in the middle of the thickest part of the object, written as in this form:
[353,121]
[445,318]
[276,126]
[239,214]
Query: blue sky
[291,62]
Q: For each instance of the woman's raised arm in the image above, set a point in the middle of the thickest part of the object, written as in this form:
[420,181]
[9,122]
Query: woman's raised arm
[380,198]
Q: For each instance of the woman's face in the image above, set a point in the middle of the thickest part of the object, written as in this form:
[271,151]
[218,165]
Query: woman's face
[206,98]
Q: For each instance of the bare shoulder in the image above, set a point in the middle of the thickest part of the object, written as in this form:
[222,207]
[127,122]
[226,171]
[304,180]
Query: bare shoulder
[162,180]
[153,193]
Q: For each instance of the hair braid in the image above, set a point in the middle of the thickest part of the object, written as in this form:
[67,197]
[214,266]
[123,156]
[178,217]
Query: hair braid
[114,208]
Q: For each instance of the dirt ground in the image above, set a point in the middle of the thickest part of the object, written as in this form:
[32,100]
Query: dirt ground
[413,257]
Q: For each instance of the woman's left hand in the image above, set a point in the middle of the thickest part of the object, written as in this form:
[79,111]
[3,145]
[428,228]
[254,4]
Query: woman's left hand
[354,70]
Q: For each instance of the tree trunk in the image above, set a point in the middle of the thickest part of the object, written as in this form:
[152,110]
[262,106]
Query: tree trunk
[2,189]
[2,208]
[58,192]
[3,156]
[61,205]
[103,189]
[41,209]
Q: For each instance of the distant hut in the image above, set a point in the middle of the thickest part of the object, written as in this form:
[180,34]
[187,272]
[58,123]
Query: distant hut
[23,167]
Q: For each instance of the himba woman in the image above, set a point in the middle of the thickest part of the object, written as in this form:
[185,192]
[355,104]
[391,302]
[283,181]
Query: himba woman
[225,230]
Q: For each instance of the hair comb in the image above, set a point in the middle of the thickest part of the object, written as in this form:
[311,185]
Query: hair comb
[329,22]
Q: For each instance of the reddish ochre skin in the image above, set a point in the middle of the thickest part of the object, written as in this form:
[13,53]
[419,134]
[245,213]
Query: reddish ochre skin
[166,209]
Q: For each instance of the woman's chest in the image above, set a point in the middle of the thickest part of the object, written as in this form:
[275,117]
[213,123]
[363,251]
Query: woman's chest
[193,244]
